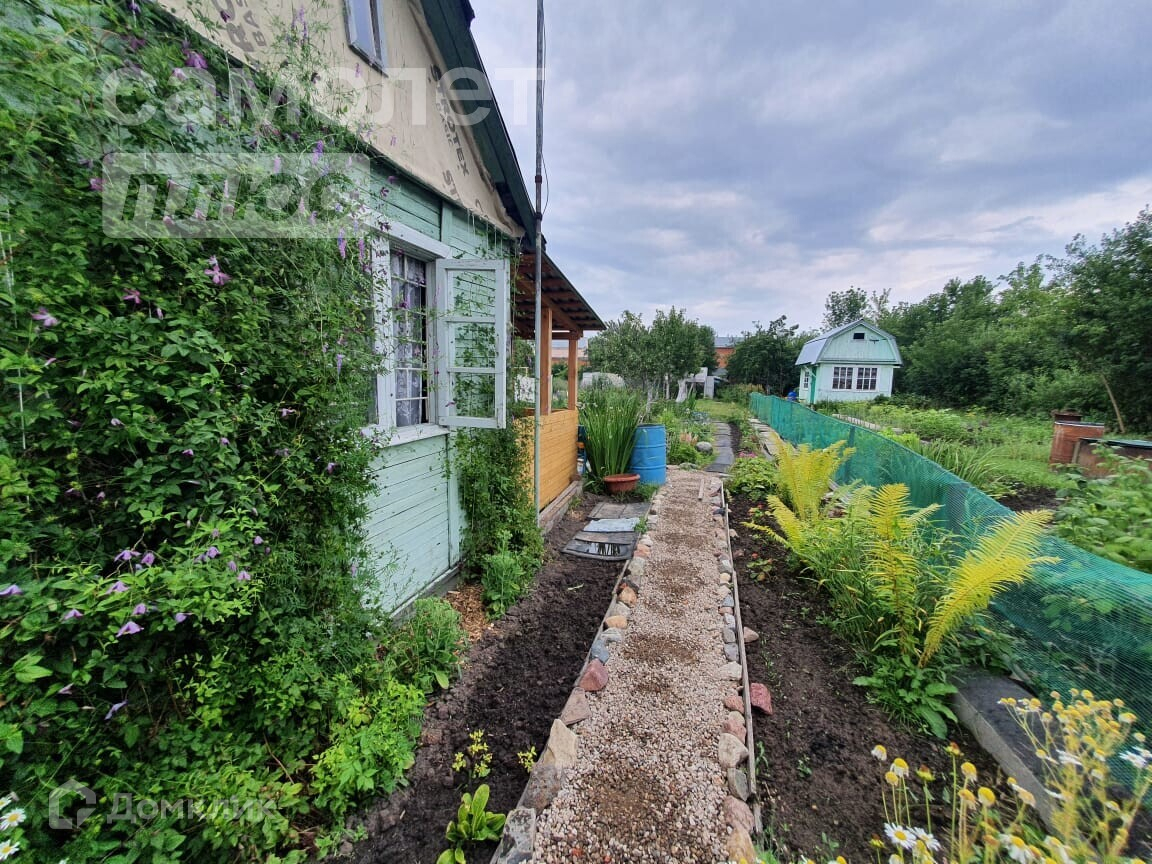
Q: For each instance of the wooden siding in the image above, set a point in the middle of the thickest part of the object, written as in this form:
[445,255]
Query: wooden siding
[557,452]
[415,521]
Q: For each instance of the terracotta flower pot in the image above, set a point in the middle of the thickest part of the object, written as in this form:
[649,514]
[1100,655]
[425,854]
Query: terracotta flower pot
[617,483]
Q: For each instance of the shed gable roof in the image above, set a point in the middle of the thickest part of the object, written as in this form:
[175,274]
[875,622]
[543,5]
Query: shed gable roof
[813,350]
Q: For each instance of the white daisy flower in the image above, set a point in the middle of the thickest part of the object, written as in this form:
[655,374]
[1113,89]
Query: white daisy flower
[11,819]
[932,844]
[900,836]
[8,849]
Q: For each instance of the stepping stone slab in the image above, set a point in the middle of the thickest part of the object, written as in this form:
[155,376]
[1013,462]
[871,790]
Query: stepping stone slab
[731,751]
[575,709]
[611,526]
[561,748]
[595,677]
[760,697]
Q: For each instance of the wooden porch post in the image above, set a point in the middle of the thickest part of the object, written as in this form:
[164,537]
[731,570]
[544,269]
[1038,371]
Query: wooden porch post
[573,366]
[546,366]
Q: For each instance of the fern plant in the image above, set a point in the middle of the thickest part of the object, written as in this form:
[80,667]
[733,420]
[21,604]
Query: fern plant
[804,475]
[1002,557]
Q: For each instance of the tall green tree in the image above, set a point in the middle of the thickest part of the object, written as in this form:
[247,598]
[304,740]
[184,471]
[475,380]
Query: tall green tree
[671,348]
[1108,301]
[844,307]
[766,356]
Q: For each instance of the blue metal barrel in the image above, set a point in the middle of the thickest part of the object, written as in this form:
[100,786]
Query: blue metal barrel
[650,455]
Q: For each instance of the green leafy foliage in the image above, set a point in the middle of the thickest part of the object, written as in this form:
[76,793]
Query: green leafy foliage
[753,476]
[910,694]
[427,648]
[505,575]
[671,347]
[766,357]
[1112,515]
[473,824]
[182,474]
[610,416]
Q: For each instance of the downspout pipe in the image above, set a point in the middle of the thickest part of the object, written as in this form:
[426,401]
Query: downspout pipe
[540,358]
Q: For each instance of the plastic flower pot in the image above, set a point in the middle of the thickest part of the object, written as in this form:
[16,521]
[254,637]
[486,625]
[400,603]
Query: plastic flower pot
[617,483]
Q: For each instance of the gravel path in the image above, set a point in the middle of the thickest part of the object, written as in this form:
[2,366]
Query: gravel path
[646,785]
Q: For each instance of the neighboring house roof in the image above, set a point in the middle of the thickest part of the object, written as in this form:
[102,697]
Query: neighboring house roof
[726,341]
[449,21]
[813,350]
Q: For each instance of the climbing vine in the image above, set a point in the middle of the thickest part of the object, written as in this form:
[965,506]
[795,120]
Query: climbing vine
[186,673]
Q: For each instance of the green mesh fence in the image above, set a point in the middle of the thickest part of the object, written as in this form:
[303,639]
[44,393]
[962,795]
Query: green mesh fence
[1083,622]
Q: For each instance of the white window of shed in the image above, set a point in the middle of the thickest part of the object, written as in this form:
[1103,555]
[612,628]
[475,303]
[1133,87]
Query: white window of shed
[365,20]
[866,378]
[841,377]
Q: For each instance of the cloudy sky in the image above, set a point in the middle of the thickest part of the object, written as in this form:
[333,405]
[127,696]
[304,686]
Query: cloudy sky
[742,159]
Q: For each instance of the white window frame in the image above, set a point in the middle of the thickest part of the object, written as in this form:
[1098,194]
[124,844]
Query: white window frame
[871,374]
[440,266]
[373,46]
[842,377]
[805,380]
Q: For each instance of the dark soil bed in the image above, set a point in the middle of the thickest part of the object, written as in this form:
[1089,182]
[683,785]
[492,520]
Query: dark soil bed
[1031,498]
[819,784]
[515,683]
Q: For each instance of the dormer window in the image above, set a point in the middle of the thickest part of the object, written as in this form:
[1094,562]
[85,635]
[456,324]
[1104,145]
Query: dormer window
[858,336]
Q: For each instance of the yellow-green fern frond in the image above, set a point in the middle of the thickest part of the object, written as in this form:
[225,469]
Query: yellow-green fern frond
[1004,556]
[892,516]
[805,475]
[794,529]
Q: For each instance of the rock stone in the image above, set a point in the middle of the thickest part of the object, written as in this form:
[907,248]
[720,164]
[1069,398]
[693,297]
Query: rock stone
[731,653]
[627,595]
[734,703]
[731,751]
[561,747]
[642,552]
[595,677]
[737,716]
[729,619]
[616,622]
[636,567]
[737,813]
[725,578]
[760,697]
[750,635]
[544,784]
[613,634]
[732,533]
[726,566]
[519,837]
[731,671]
[704,446]
[575,709]
[738,784]
[728,602]
[729,635]
[619,609]
[736,730]
[599,650]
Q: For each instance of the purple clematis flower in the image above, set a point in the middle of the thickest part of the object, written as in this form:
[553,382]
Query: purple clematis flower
[211,552]
[114,709]
[65,690]
[45,318]
[188,452]
[243,576]
[339,363]
[195,60]
[96,184]
[215,533]
[140,609]
[224,442]
[128,629]
[127,555]
[180,617]
[133,296]
[257,540]
[49,361]
[149,559]
[117,422]
[159,313]
[285,412]
[11,591]
[219,277]
[179,74]
[330,467]
[72,613]
[233,566]
[101,495]
[342,244]
[317,151]
[118,587]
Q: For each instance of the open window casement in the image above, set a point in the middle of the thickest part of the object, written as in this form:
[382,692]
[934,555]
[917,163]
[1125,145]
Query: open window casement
[472,338]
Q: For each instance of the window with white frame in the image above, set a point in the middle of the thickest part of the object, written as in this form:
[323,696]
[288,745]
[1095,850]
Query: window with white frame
[805,380]
[866,378]
[841,377]
[365,20]
[440,325]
